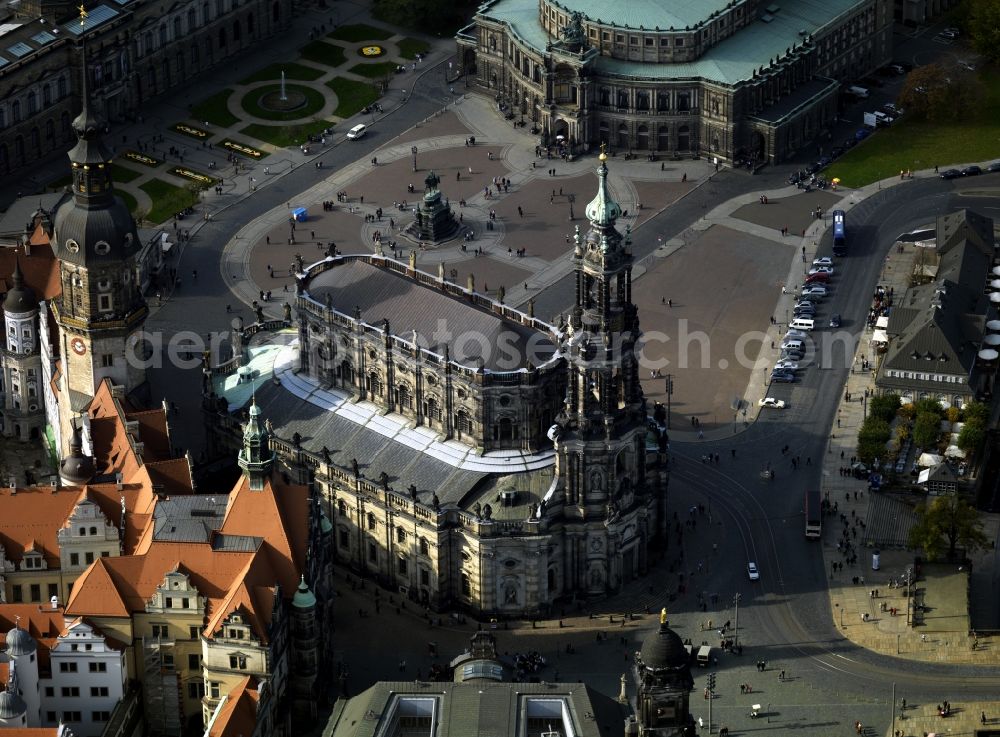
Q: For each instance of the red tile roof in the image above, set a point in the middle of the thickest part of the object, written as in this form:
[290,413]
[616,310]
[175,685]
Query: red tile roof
[32,517]
[238,715]
[279,513]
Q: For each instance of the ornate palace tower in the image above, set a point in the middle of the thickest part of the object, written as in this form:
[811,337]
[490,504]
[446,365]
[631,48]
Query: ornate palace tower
[600,438]
[101,309]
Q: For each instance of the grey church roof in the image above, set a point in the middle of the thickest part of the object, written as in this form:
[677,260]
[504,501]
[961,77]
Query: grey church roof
[375,453]
[88,227]
[438,318]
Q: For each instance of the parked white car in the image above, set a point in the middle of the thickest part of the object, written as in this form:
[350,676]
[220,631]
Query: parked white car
[772,403]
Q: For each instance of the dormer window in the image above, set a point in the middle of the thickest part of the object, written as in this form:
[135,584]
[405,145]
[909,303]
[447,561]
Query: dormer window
[72,246]
[104,284]
[102,248]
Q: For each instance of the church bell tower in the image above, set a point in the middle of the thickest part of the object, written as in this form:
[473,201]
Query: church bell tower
[600,434]
[101,310]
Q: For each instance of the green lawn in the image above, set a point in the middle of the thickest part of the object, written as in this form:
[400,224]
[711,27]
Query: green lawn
[374,71]
[315,100]
[284,135]
[322,52]
[129,200]
[167,199]
[291,70]
[912,144]
[360,32]
[215,111]
[351,95]
[123,173]
[410,47]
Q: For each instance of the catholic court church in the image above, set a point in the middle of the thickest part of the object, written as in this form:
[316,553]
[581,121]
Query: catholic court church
[498,481]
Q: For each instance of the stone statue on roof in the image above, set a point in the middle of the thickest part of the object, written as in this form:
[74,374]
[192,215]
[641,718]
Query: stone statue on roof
[572,35]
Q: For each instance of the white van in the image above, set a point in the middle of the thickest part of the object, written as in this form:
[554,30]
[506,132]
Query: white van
[802,323]
[704,655]
[858,91]
[357,132]
[793,345]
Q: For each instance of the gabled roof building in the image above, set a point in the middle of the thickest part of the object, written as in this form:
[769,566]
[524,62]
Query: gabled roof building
[937,331]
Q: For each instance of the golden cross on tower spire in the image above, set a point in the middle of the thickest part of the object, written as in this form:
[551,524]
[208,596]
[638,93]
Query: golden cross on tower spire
[83,15]
[604,152]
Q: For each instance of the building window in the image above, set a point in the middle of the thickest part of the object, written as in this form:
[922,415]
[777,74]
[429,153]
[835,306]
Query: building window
[401,566]
[168,602]
[194,661]
[71,716]
[74,559]
[424,547]
[344,538]
[50,716]
[196,689]
[67,667]
[238,662]
[372,553]
[466,585]
[101,716]
[213,689]
[400,535]
[371,521]
[50,691]
[425,577]
[104,302]
[98,667]
[193,633]
[89,558]
[342,508]
[98,690]
[36,592]
[160,630]
[15,593]
[70,691]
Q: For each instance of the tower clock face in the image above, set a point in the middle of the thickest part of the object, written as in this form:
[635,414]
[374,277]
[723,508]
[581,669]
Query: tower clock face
[78,346]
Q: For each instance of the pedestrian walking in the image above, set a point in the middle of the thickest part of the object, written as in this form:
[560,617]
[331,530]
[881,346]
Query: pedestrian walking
[982,718]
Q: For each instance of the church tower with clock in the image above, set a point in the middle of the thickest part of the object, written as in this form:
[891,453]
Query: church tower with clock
[101,310]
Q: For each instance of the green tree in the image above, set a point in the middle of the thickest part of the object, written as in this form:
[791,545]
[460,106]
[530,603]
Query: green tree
[945,523]
[974,411]
[984,28]
[933,92]
[872,439]
[884,406]
[927,430]
[972,436]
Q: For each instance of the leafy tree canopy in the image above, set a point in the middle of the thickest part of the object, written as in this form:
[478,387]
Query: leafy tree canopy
[984,28]
[945,523]
[936,93]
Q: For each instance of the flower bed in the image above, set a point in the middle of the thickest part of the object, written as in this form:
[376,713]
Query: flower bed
[242,149]
[202,179]
[142,159]
[188,130]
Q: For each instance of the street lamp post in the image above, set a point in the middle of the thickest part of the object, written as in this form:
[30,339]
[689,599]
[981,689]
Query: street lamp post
[572,199]
[413,150]
[736,629]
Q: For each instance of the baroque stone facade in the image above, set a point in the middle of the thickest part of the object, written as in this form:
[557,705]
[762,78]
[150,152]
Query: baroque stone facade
[136,51]
[739,81]
[469,454]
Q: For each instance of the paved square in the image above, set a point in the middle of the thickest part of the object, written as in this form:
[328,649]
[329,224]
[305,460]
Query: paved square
[796,213]
[732,302]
